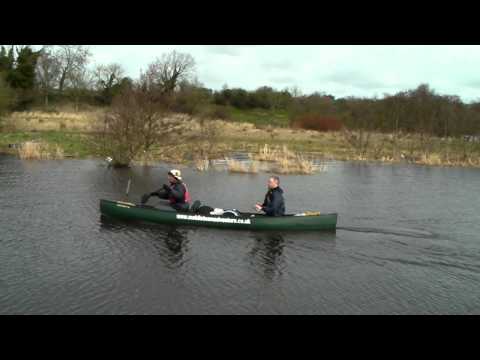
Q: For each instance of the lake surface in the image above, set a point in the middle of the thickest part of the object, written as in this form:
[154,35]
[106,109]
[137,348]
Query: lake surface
[408,242]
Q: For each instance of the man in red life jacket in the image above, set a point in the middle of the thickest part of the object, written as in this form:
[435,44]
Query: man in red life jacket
[176,192]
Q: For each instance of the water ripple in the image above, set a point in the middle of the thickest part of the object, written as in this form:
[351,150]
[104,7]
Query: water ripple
[400,248]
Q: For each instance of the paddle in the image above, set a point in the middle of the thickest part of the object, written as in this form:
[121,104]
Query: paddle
[128,187]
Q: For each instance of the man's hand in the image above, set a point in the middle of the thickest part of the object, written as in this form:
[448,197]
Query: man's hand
[258,206]
[145,198]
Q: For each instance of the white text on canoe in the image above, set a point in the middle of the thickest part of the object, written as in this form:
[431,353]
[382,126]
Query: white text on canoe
[212,219]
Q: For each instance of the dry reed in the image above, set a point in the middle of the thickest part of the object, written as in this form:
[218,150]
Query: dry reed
[32,150]
[235,166]
[202,164]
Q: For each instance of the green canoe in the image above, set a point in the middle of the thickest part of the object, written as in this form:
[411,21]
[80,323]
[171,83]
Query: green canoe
[246,221]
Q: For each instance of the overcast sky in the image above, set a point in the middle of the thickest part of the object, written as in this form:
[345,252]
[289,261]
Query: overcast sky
[340,70]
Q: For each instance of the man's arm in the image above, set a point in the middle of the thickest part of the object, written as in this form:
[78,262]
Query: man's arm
[259,206]
[265,200]
[161,193]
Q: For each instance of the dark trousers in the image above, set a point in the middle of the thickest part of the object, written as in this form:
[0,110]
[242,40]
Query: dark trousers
[165,205]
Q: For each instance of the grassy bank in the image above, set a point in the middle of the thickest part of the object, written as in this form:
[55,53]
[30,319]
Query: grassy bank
[72,132]
[260,117]
[74,145]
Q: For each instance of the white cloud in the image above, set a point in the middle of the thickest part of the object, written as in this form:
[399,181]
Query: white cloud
[283,80]
[341,70]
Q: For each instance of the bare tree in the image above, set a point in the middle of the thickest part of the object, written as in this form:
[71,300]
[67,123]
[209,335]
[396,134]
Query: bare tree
[165,73]
[209,133]
[80,80]
[6,97]
[48,71]
[359,136]
[121,136]
[71,58]
[106,76]
[295,91]
[394,107]
[137,121]
[425,110]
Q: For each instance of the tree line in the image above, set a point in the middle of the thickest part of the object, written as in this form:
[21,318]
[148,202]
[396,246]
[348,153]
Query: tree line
[62,73]
[56,74]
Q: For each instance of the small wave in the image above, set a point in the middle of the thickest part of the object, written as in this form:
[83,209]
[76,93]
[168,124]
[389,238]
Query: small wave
[414,233]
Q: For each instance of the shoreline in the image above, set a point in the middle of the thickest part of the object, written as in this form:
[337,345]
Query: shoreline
[190,163]
[73,134]
[320,156]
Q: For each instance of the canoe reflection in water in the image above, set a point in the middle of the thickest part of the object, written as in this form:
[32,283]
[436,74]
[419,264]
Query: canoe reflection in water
[172,246]
[267,254]
[170,242]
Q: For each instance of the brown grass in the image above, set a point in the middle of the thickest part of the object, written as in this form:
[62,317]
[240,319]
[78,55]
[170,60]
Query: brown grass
[47,121]
[431,159]
[298,165]
[235,166]
[31,150]
[286,161]
[267,144]
[202,164]
[268,153]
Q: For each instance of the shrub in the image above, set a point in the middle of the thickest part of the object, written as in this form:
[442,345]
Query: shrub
[317,123]
[136,121]
[217,112]
[6,96]
[191,99]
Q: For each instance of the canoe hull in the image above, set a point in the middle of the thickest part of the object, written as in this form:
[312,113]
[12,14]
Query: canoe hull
[127,211]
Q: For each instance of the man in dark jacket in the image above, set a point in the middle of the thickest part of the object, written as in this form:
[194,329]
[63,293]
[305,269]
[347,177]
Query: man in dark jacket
[274,204]
[177,192]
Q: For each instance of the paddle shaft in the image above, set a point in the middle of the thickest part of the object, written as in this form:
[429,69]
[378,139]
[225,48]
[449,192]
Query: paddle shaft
[128,187]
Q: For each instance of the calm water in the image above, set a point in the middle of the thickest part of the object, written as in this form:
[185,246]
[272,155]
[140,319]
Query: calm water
[408,243]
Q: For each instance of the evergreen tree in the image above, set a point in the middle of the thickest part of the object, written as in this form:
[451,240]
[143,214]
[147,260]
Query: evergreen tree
[22,76]
[3,60]
[6,96]
[11,59]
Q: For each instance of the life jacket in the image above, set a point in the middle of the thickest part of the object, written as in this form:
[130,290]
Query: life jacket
[280,210]
[186,197]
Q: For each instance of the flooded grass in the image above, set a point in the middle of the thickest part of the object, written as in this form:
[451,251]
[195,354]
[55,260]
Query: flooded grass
[201,164]
[31,150]
[270,153]
[286,161]
[72,131]
[298,165]
[145,159]
[236,166]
